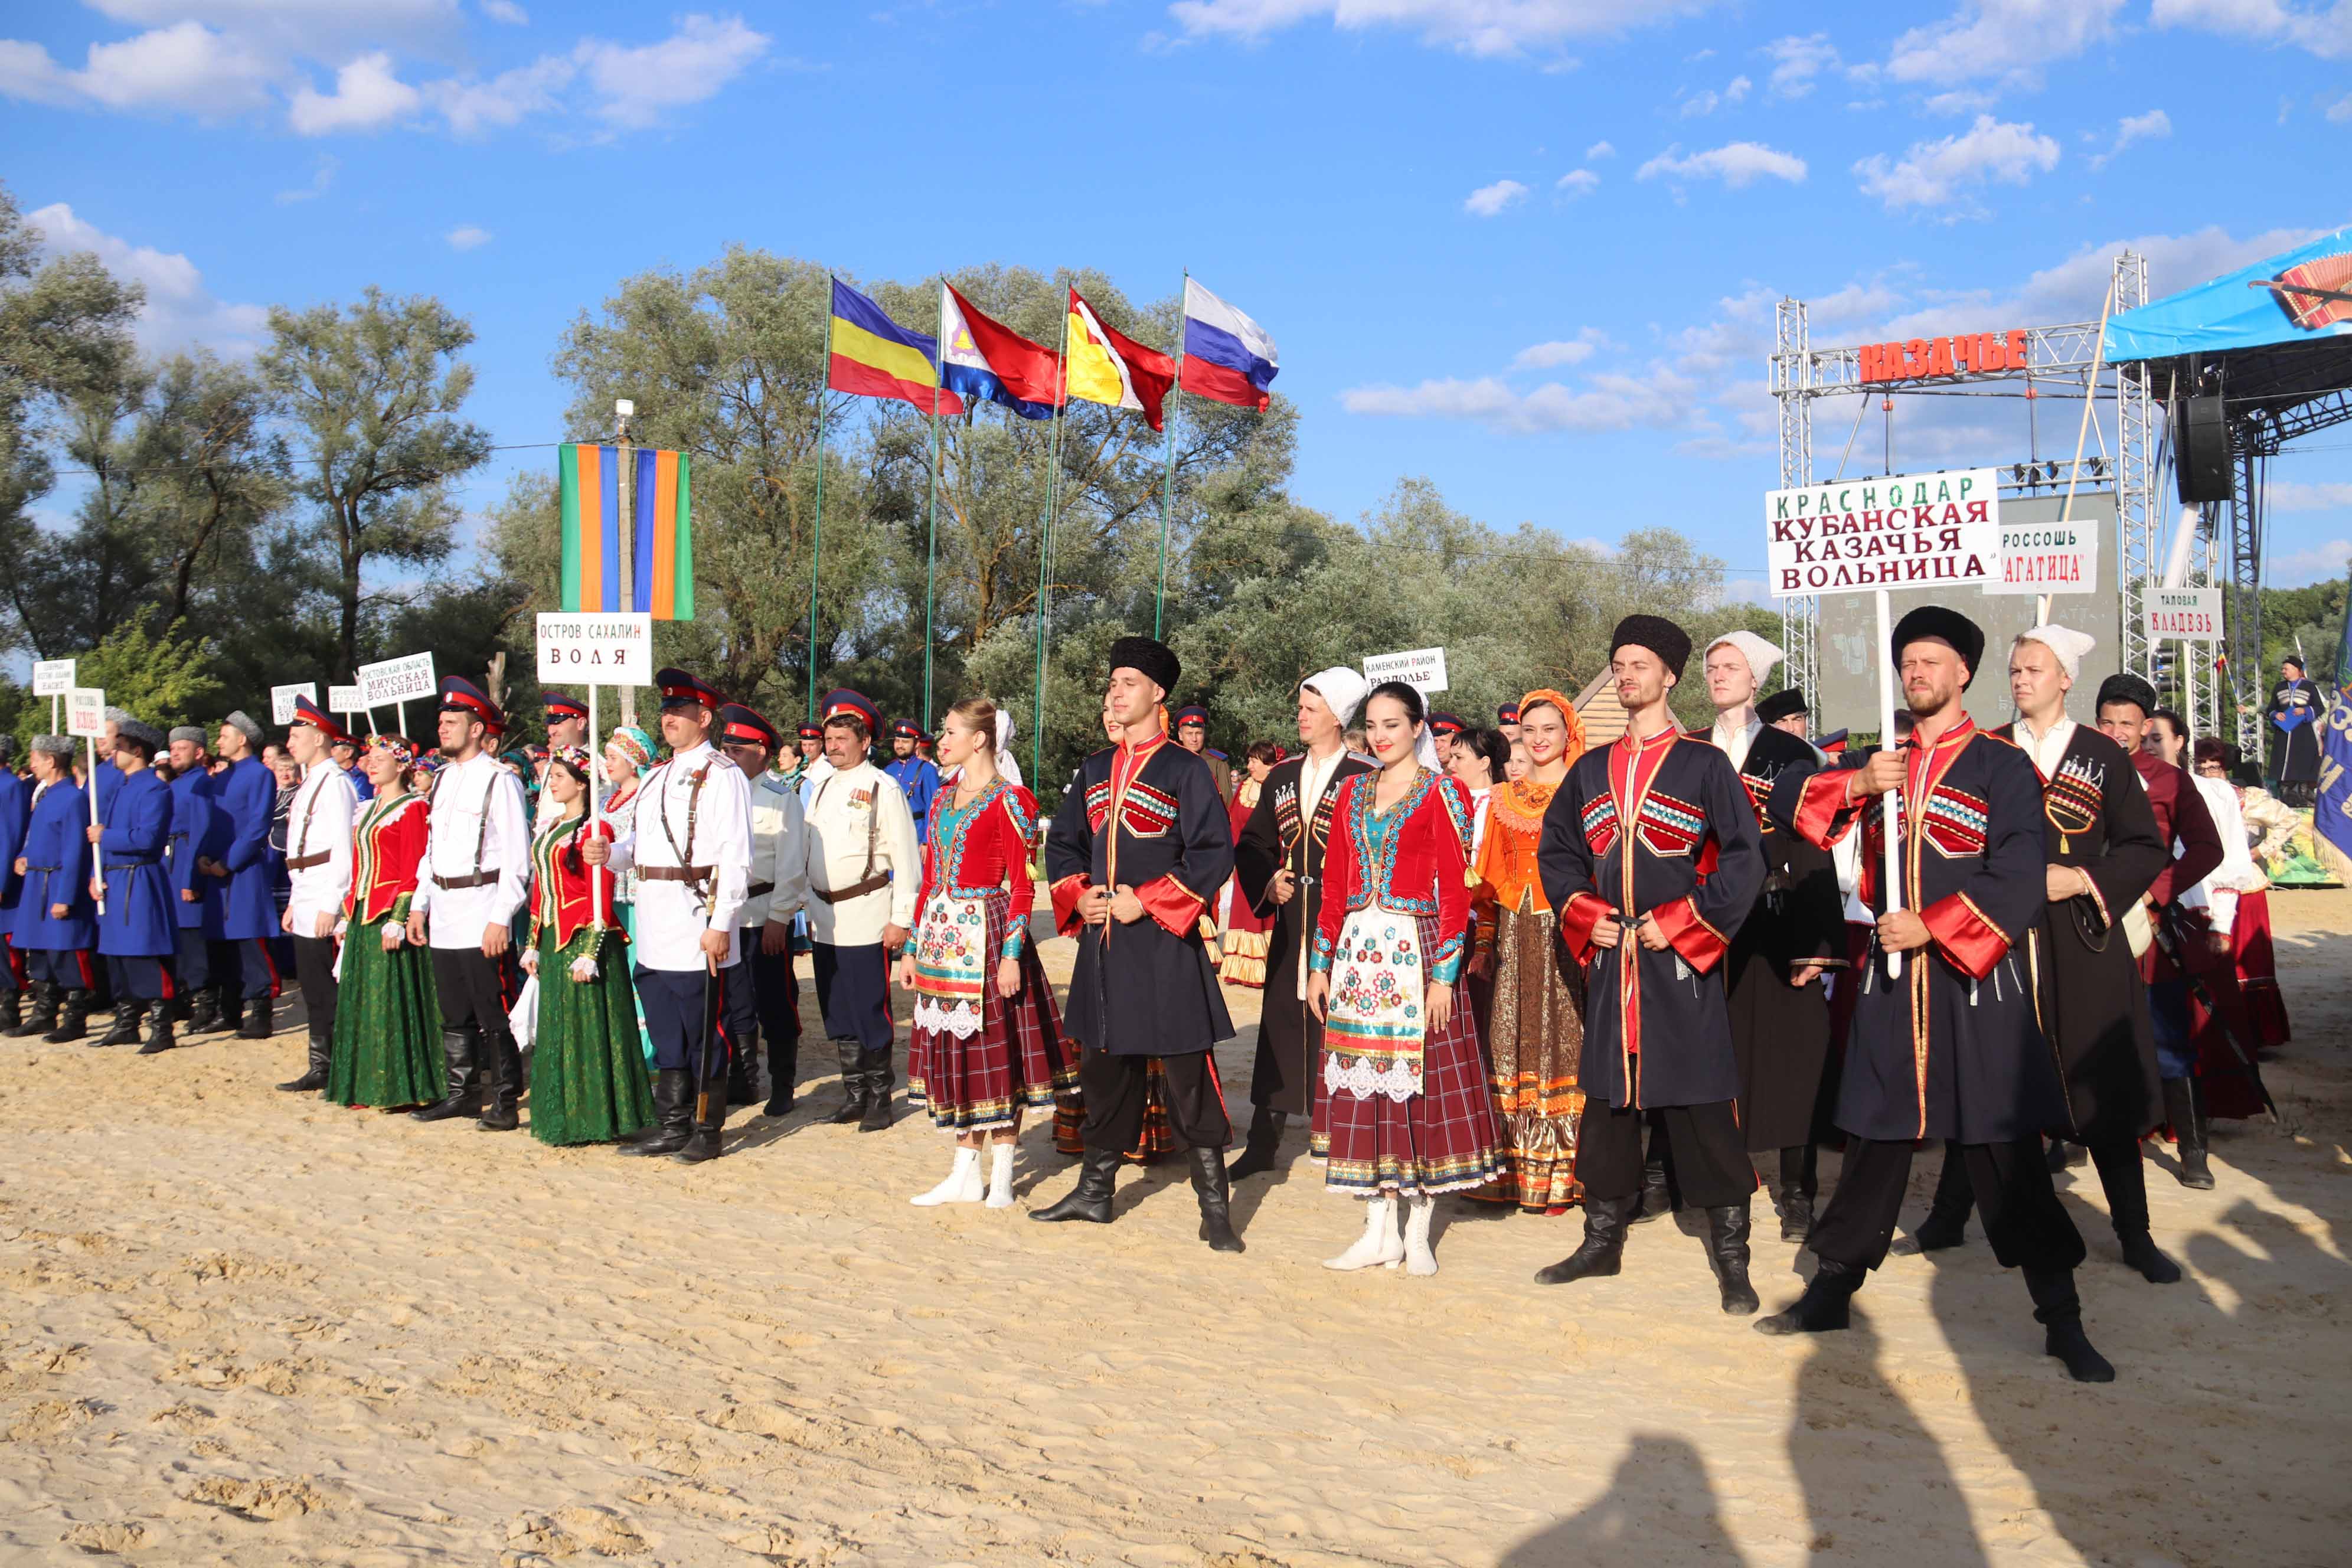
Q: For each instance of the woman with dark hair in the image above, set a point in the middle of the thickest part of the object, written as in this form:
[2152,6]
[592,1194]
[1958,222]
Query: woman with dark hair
[1405,1113]
[1246,932]
[588,1078]
[2248,924]
[386,1051]
[1481,760]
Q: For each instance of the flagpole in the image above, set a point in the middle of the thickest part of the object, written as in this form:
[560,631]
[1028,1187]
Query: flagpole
[816,553]
[1046,544]
[1168,480]
[931,548]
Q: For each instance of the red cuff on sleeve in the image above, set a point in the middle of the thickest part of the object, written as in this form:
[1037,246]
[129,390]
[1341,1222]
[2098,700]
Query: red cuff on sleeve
[1172,905]
[1700,944]
[1823,812]
[1965,935]
[1066,894]
[1584,911]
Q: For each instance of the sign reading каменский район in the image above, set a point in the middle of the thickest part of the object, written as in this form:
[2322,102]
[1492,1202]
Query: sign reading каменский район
[1903,530]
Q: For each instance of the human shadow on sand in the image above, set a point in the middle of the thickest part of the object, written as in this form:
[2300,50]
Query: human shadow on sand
[1660,1508]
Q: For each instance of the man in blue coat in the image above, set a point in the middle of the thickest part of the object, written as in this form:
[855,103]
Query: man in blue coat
[919,779]
[138,932]
[194,1002]
[53,925]
[15,811]
[248,915]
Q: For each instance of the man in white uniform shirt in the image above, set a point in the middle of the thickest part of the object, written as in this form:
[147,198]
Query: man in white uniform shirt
[769,1008]
[476,870]
[690,843]
[319,867]
[864,871]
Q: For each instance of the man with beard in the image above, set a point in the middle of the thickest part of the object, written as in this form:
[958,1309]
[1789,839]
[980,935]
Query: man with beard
[1192,734]
[1279,863]
[241,913]
[2297,709]
[1952,1047]
[136,932]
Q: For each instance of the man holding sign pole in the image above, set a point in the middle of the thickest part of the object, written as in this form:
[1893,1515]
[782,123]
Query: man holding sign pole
[54,928]
[1952,1048]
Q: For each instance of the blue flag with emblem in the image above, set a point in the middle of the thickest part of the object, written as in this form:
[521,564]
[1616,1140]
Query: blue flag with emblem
[2331,818]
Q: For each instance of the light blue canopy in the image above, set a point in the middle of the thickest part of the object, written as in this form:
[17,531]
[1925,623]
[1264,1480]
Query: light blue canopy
[2254,307]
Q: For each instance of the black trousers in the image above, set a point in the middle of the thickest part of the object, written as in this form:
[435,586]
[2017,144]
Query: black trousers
[140,977]
[70,967]
[1709,1151]
[255,967]
[314,970]
[475,991]
[738,998]
[1115,1087]
[682,1006]
[853,992]
[775,992]
[2028,1227]
[192,969]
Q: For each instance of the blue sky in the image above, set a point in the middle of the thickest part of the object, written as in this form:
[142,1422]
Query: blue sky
[1526,248]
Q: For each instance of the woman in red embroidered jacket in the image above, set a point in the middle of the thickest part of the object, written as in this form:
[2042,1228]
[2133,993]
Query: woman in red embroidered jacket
[1405,1107]
[987,1042]
[387,1043]
[588,1078]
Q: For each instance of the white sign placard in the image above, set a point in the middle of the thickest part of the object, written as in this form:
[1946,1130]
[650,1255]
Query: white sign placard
[394,680]
[2189,615]
[53,677]
[282,699]
[2047,558]
[86,712]
[1422,668]
[594,649]
[344,700]
[1906,531]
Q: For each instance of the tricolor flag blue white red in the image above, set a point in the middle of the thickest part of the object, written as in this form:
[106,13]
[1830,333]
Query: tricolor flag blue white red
[983,358]
[1228,358]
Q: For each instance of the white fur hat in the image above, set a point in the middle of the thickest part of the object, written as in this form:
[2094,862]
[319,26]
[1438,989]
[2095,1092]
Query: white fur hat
[1760,654]
[2068,644]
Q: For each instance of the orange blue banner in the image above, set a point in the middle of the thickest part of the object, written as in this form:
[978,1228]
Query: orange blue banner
[662,511]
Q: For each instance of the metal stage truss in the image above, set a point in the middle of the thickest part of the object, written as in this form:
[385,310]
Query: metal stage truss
[2060,361]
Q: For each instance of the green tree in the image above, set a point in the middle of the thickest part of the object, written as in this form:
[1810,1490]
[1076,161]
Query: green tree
[164,678]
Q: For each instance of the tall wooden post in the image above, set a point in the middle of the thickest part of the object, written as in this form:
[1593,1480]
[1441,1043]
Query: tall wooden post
[623,410]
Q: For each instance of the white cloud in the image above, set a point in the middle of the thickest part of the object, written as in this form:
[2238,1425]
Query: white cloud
[466,236]
[2297,495]
[636,85]
[318,29]
[186,68]
[1606,402]
[1960,100]
[322,175]
[2312,563]
[1737,90]
[367,96]
[1565,351]
[179,312]
[1707,100]
[2340,111]
[1933,173]
[1598,151]
[1796,61]
[1474,26]
[2152,126]
[506,11]
[507,99]
[2006,41]
[1736,164]
[1489,201]
[2324,29]
[1578,182]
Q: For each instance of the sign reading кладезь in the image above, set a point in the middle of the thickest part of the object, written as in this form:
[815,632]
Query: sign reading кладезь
[596,647]
[1906,531]
[1422,668]
[2191,615]
[86,712]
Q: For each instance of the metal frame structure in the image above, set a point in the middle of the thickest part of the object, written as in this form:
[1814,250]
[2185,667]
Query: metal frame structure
[2062,357]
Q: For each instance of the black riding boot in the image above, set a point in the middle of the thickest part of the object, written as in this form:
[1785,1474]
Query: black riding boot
[232,1008]
[1601,1253]
[2123,1177]
[1799,1182]
[159,1029]
[1727,1250]
[11,1011]
[742,1074]
[126,1025]
[1216,1192]
[879,1080]
[1090,1199]
[2060,1313]
[709,1123]
[1823,1307]
[260,1012]
[313,1080]
[73,1019]
[673,1116]
[783,1075]
[853,1082]
[1657,1199]
[2185,1109]
[42,1015]
[465,1088]
[501,1083]
[203,1012]
[1258,1149]
[1947,1224]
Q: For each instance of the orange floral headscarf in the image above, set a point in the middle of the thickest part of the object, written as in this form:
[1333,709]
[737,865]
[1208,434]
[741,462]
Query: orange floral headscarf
[1568,712]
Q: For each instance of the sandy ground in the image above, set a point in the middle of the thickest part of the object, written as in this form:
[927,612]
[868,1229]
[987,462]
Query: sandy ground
[241,1327]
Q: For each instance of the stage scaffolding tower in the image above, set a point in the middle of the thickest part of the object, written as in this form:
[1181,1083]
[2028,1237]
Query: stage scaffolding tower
[1792,382]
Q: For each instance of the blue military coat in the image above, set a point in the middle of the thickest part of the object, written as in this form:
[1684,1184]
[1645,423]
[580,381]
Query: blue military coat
[138,921]
[242,799]
[57,871]
[919,780]
[192,821]
[15,812]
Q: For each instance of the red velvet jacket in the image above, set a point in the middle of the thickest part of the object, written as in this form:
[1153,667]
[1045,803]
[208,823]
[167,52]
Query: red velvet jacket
[1417,869]
[387,846]
[983,847]
[559,881]
[2181,818]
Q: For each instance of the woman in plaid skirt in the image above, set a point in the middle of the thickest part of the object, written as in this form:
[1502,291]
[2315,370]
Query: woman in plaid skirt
[1405,1111]
[987,1041]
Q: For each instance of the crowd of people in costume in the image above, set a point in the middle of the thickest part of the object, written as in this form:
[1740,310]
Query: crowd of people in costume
[1496,963]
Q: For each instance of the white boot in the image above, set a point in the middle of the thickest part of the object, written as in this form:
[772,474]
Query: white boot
[962,1185]
[1379,1244]
[1418,1257]
[1000,1174]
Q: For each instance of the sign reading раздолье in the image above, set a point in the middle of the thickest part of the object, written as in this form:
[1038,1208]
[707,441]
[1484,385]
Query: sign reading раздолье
[1904,530]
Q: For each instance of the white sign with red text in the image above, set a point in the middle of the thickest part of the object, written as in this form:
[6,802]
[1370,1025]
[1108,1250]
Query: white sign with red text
[596,649]
[86,712]
[1904,530]
[2047,558]
[2189,615]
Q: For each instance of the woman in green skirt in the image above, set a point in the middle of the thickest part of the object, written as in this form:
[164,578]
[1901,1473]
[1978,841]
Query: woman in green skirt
[387,1047]
[588,1080]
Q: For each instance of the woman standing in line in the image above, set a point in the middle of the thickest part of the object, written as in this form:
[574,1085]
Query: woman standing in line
[588,1078]
[56,924]
[1535,1029]
[387,1043]
[987,1042]
[2250,939]
[1242,945]
[1405,1113]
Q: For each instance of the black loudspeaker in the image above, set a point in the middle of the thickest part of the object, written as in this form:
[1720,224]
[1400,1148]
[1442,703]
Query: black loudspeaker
[2200,449]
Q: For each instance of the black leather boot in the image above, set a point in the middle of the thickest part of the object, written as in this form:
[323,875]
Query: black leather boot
[673,1116]
[2060,1313]
[1210,1185]
[1090,1199]
[1823,1307]
[11,1011]
[2185,1109]
[1657,1200]
[879,1082]
[1947,1225]
[1258,1148]
[205,1013]
[314,1077]
[501,1083]
[258,1013]
[709,1123]
[1794,1200]
[1601,1253]
[125,1031]
[159,1029]
[783,1075]
[1727,1250]
[852,1083]
[742,1073]
[458,1061]
[41,1017]
[73,1019]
